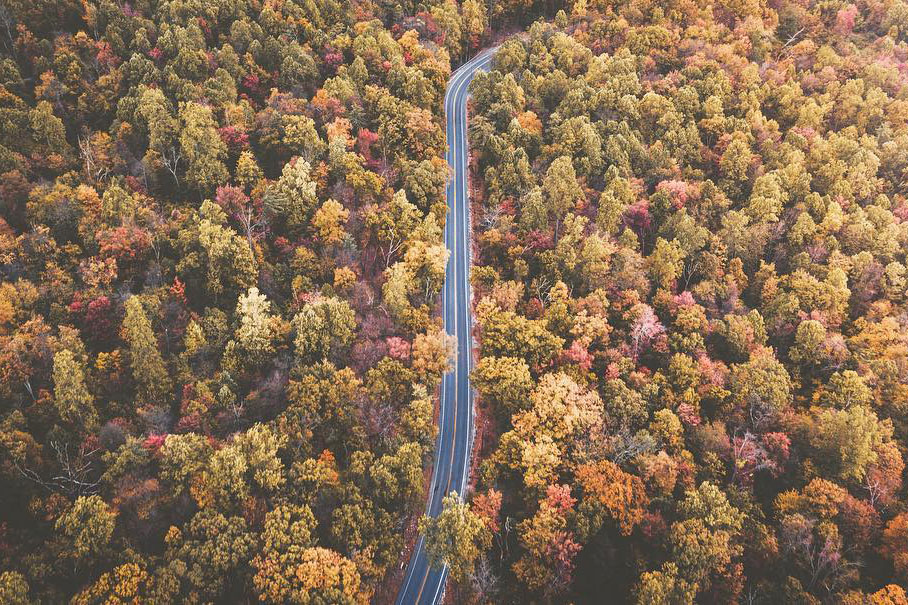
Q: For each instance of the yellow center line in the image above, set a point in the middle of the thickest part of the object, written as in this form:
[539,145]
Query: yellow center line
[454,277]
[460,85]
[423,585]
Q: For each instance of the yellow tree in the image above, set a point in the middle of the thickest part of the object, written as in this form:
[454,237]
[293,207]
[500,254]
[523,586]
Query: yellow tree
[432,355]
[127,583]
[323,327]
[328,222]
[13,588]
[256,333]
[504,382]
[549,434]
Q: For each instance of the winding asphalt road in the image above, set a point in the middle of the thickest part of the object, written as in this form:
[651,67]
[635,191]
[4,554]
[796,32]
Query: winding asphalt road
[423,584]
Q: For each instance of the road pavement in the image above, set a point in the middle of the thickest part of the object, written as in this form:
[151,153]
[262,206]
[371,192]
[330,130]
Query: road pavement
[422,584]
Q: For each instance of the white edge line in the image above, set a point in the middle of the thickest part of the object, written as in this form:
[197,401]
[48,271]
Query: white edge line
[454,86]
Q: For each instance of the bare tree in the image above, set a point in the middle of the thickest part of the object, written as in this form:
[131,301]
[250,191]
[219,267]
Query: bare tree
[171,160]
[93,170]
[74,477]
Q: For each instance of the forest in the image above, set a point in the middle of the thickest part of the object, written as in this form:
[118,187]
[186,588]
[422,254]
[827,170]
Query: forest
[220,253]
[690,293]
[220,257]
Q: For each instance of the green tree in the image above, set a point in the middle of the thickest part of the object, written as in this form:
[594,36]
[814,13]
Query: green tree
[665,587]
[322,402]
[846,389]
[625,409]
[393,224]
[809,339]
[89,526]
[398,476]
[324,327]
[215,260]
[761,386]
[448,18]
[475,22]
[202,147]
[734,165]
[301,136]
[666,263]
[248,173]
[251,459]
[257,330]
[707,538]
[259,447]
[847,440]
[288,530]
[417,421]
[292,569]
[456,537]
[155,112]
[183,457]
[561,189]
[507,334]
[48,129]
[74,402]
[504,382]
[293,198]
[148,369]
[209,553]
[615,199]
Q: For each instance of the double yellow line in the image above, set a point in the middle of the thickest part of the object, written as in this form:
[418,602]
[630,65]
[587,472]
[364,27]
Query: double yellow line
[456,89]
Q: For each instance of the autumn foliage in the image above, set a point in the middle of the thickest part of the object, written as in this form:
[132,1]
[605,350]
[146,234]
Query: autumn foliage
[690,290]
[220,254]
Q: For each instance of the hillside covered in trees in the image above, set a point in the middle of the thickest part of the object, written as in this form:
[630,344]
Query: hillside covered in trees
[220,253]
[690,231]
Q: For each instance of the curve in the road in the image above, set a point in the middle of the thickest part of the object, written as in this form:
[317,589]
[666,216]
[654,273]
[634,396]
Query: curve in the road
[423,584]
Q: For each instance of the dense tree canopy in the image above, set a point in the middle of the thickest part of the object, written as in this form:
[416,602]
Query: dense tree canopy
[220,256]
[690,221]
[220,253]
